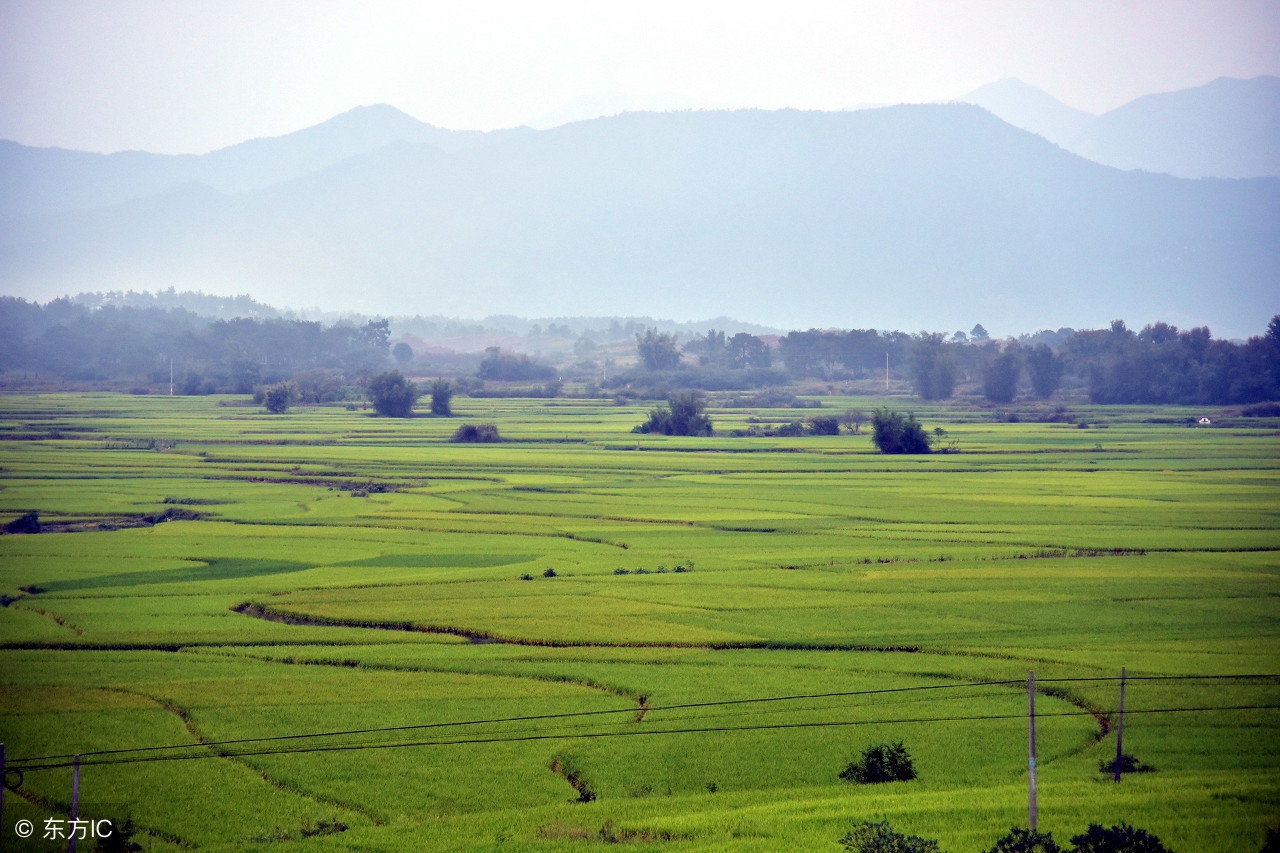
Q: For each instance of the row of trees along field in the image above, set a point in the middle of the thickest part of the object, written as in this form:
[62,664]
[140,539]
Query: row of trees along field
[1158,364]
[108,343]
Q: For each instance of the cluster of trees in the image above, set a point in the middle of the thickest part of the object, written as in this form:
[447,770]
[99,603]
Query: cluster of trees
[394,396]
[512,367]
[136,338]
[65,339]
[1159,364]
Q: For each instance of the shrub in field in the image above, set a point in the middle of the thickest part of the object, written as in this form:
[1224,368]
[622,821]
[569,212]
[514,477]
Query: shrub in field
[824,425]
[1116,839]
[28,522]
[893,433]
[120,840]
[392,395]
[886,762]
[476,433]
[683,415]
[1026,841]
[869,837]
[1128,764]
[549,573]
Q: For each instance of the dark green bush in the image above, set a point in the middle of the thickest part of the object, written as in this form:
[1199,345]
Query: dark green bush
[1116,839]
[1128,764]
[1026,841]
[28,522]
[887,762]
[867,837]
[892,433]
[476,433]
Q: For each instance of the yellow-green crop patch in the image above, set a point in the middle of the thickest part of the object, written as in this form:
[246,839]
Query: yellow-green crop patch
[580,634]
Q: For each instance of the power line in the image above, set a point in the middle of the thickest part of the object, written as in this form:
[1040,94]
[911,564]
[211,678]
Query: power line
[630,710]
[529,718]
[206,750]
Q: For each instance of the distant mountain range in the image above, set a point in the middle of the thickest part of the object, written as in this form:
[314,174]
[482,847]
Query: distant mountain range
[1225,129]
[907,217]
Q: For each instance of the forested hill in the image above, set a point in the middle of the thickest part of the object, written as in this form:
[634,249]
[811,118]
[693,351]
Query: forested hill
[902,217]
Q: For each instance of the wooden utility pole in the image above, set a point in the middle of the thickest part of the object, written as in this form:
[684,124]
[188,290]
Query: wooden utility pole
[1120,728]
[1031,745]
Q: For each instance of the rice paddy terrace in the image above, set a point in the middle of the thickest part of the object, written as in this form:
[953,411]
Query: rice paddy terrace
[325,630]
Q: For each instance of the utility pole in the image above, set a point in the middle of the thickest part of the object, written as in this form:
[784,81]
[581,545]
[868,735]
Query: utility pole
[170,376]
[1120,728]
[4,781]
[75,804]
[1031,744]
[886,370]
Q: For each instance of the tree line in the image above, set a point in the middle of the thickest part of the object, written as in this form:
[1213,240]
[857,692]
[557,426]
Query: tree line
[1158,365]
[148,345]
[141,341]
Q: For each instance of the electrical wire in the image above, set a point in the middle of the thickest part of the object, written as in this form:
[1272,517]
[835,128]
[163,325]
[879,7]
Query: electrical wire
[241,747]
[346,747]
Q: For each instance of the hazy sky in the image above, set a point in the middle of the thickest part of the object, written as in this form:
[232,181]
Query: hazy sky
[194,75]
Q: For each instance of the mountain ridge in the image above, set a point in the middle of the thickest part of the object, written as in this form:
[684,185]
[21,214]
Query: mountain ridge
[901,217]
[1227,128]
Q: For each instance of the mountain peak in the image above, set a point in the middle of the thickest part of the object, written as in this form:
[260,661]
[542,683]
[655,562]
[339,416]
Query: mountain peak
[1030,108]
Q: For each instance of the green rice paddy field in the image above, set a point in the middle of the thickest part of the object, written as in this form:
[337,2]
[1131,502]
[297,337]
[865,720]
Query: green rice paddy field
[582,636]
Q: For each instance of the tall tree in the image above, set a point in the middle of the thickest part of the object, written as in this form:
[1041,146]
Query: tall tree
[932,370]
[1000,377]
[1044,369]
[657,350]
[441,398]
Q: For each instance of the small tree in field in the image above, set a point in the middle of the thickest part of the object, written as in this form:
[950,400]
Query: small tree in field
[887,762]
[278,398]
[893,433]
[392,395]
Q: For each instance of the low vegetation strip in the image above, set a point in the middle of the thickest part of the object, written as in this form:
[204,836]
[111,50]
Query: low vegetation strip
[289,617]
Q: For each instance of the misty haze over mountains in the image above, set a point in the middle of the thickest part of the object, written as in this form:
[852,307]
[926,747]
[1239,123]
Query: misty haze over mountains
[921,216]
[1224,129]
